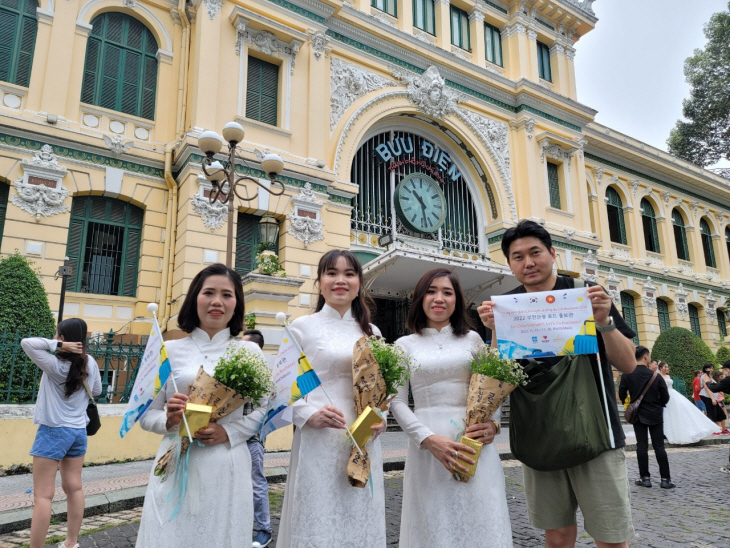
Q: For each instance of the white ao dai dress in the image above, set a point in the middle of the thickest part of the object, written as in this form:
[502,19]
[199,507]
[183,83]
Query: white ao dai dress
[217,509]
[438,510]
[321,509]
[683,422]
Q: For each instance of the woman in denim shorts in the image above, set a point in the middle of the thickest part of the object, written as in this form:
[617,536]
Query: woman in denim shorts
[60,413]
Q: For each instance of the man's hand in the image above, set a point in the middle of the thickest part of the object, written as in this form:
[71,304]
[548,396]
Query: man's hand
[601,302]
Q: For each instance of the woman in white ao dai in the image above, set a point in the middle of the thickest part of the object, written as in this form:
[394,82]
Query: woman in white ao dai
[321,509]
[217,509]
[437,509]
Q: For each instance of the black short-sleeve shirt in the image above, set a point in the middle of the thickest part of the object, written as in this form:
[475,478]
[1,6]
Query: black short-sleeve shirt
[565,282]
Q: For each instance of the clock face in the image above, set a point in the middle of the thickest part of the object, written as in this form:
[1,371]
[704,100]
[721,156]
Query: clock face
[420,203]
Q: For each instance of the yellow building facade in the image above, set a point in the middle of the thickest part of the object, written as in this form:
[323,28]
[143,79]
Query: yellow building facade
[469,107]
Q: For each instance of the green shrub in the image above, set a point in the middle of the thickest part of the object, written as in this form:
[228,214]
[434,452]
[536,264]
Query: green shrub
[722,355]
[24,312]
[684,351]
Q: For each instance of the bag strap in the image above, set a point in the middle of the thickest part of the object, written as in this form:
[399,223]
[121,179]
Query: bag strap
[88,391]
[646,388]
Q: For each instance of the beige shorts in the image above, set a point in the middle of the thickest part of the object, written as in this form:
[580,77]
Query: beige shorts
[600,488]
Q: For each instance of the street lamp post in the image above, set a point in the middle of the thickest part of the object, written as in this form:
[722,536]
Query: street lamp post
[63,272]
[223,178]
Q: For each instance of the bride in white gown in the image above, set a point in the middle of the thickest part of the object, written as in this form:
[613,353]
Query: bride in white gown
[438,510]
[321,509]
[683,422]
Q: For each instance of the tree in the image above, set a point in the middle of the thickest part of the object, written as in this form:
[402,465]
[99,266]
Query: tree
[704,138]
[722,355]
[24,312]
[684,351]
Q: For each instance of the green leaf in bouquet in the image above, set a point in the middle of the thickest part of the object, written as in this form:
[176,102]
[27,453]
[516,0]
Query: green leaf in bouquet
[487,361]
[394,365]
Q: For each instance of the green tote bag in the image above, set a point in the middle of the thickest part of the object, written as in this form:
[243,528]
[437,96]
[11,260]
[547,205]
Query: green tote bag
[556,421]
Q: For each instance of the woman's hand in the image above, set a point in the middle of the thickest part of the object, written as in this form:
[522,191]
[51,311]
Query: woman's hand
[175,409]
[446,451]
[212,434]
[483,432]
[486,314]
[327,417]
[71,347]
[378,429]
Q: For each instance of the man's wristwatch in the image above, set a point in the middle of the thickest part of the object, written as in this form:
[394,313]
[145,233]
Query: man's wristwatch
[610,327]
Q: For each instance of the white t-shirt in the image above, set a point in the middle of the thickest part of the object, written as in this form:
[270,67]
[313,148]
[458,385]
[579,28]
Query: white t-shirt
[52,408]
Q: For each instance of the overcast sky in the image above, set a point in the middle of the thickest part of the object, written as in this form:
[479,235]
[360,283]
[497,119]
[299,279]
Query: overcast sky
[630,67]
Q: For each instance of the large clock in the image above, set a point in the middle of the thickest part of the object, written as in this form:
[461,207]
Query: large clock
[420,204]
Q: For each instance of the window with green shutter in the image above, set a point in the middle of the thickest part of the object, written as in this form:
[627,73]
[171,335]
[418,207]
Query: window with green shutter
[424,16]
[694,320]
[120,71]
[4,191]
[493,43]
[543,62]
[680,235]
[553,185]
[103,246]
[707,247]
[663,311]
[247,236]
[262,91]
[648,220]
[388,6]
[18,29]
[628,311]
[460,28]
[727,241]
[722,323]
[615,211]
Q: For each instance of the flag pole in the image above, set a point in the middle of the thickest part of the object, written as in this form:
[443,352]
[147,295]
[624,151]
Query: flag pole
[152,307]
[605,401]
[281,318]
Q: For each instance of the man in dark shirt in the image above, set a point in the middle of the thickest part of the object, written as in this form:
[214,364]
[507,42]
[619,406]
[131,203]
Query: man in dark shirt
[600,486]
[722,386]
[651,417]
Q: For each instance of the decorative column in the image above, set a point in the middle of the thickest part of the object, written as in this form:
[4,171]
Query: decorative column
[476,28]
[680,305]
[649,321]
[516,52]
[443,23]
[612,287]
[590,267]
[318,93]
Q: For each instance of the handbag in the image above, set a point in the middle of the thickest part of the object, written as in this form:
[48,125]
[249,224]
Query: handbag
[92,427]
[631,413]
[557,420]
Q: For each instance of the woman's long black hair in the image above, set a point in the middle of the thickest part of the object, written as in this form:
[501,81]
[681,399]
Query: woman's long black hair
[74,330]
[417,318]
[363,305]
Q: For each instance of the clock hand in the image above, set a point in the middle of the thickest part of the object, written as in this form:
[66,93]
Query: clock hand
[420,200]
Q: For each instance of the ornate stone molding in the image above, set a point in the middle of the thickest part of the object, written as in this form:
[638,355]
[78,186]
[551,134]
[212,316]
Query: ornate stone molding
[557,49]
[598,174]
[612,287]
[711,309]
[531,34]
[45,160]
[528,123]
[320,43]
[117,144]
[585,5]
[649,297]
[213,7]
[131,4]
[516,28]
[590,267]
[39,199]
[267,43]
[634,186]
[380,16]
[680,302]
[215,214]
[305,220]
[428,92]
[665,196]
[347,84]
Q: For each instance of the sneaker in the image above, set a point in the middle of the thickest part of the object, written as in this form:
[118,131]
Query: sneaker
[62,544]
[261,539]
[726,432]
[667,484]
[716,433]
[643,482]
[725,469]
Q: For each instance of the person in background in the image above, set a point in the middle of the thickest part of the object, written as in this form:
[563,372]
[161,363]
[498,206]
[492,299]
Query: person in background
[722,386]
[696,392]
[717,376]
[714,411]
[60,412]
[261,517]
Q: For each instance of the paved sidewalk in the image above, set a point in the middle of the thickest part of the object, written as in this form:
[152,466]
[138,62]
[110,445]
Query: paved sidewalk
[687,517]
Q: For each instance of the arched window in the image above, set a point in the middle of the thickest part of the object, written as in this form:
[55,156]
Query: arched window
[663,312]
[648,220]
[722,323]
[707,246]
[18,28]
[680,235]
[628,311]
[121,66]
[4,190]
[615,210]
[103,245]
[694,320]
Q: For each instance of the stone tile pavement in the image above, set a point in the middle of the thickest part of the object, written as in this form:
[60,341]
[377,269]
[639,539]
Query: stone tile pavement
[694,515]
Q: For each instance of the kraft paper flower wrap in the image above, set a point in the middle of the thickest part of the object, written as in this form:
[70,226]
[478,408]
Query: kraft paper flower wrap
[243,372]
[378,370]
[492,380]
